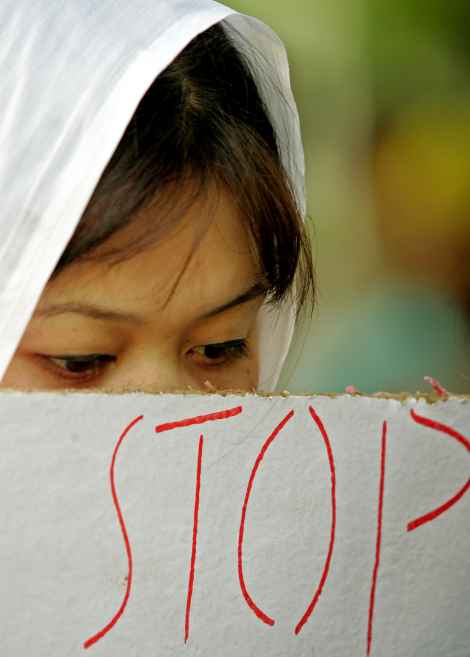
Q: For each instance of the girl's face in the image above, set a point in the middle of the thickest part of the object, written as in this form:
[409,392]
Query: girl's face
[120,327]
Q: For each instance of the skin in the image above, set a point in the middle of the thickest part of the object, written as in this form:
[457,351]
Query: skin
[162,340]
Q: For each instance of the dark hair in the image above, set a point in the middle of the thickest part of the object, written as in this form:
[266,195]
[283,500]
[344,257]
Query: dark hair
[202,122]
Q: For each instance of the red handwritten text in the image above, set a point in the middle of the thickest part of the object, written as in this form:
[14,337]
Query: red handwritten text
[378,544]
[99,635]
[449,431]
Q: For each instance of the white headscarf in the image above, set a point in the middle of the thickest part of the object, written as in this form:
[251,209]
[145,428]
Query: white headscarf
[72,73]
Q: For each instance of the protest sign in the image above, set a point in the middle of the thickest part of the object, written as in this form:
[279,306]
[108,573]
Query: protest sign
[167,525]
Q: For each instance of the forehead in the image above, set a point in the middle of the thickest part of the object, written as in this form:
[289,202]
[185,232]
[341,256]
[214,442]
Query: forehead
[205,259]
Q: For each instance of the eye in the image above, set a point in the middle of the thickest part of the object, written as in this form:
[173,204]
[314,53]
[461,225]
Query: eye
[77,367]
[220,353]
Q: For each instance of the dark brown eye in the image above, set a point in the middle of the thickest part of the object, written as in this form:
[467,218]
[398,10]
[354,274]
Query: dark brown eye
[215,350]
[221,352]
[91,363]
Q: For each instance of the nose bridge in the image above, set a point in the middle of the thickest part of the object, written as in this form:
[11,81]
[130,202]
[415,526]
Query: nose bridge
[152,369]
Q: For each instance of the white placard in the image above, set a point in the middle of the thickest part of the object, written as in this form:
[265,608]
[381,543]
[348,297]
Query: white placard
[223,526]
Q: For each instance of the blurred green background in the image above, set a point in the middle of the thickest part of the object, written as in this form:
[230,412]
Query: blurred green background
[384,98]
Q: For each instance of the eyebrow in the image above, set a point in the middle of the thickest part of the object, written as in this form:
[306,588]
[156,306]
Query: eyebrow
[257,290]
[101,313]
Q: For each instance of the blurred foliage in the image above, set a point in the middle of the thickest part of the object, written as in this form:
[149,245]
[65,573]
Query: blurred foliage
[446,21]
[417,49]
[383,89]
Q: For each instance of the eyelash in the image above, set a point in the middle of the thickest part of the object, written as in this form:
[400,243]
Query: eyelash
[95,362]
[232,351]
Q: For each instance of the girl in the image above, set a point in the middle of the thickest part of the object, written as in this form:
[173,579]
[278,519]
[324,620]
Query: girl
[152,188]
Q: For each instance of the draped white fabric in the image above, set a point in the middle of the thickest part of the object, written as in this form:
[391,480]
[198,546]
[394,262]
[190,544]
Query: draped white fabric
[72,73]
